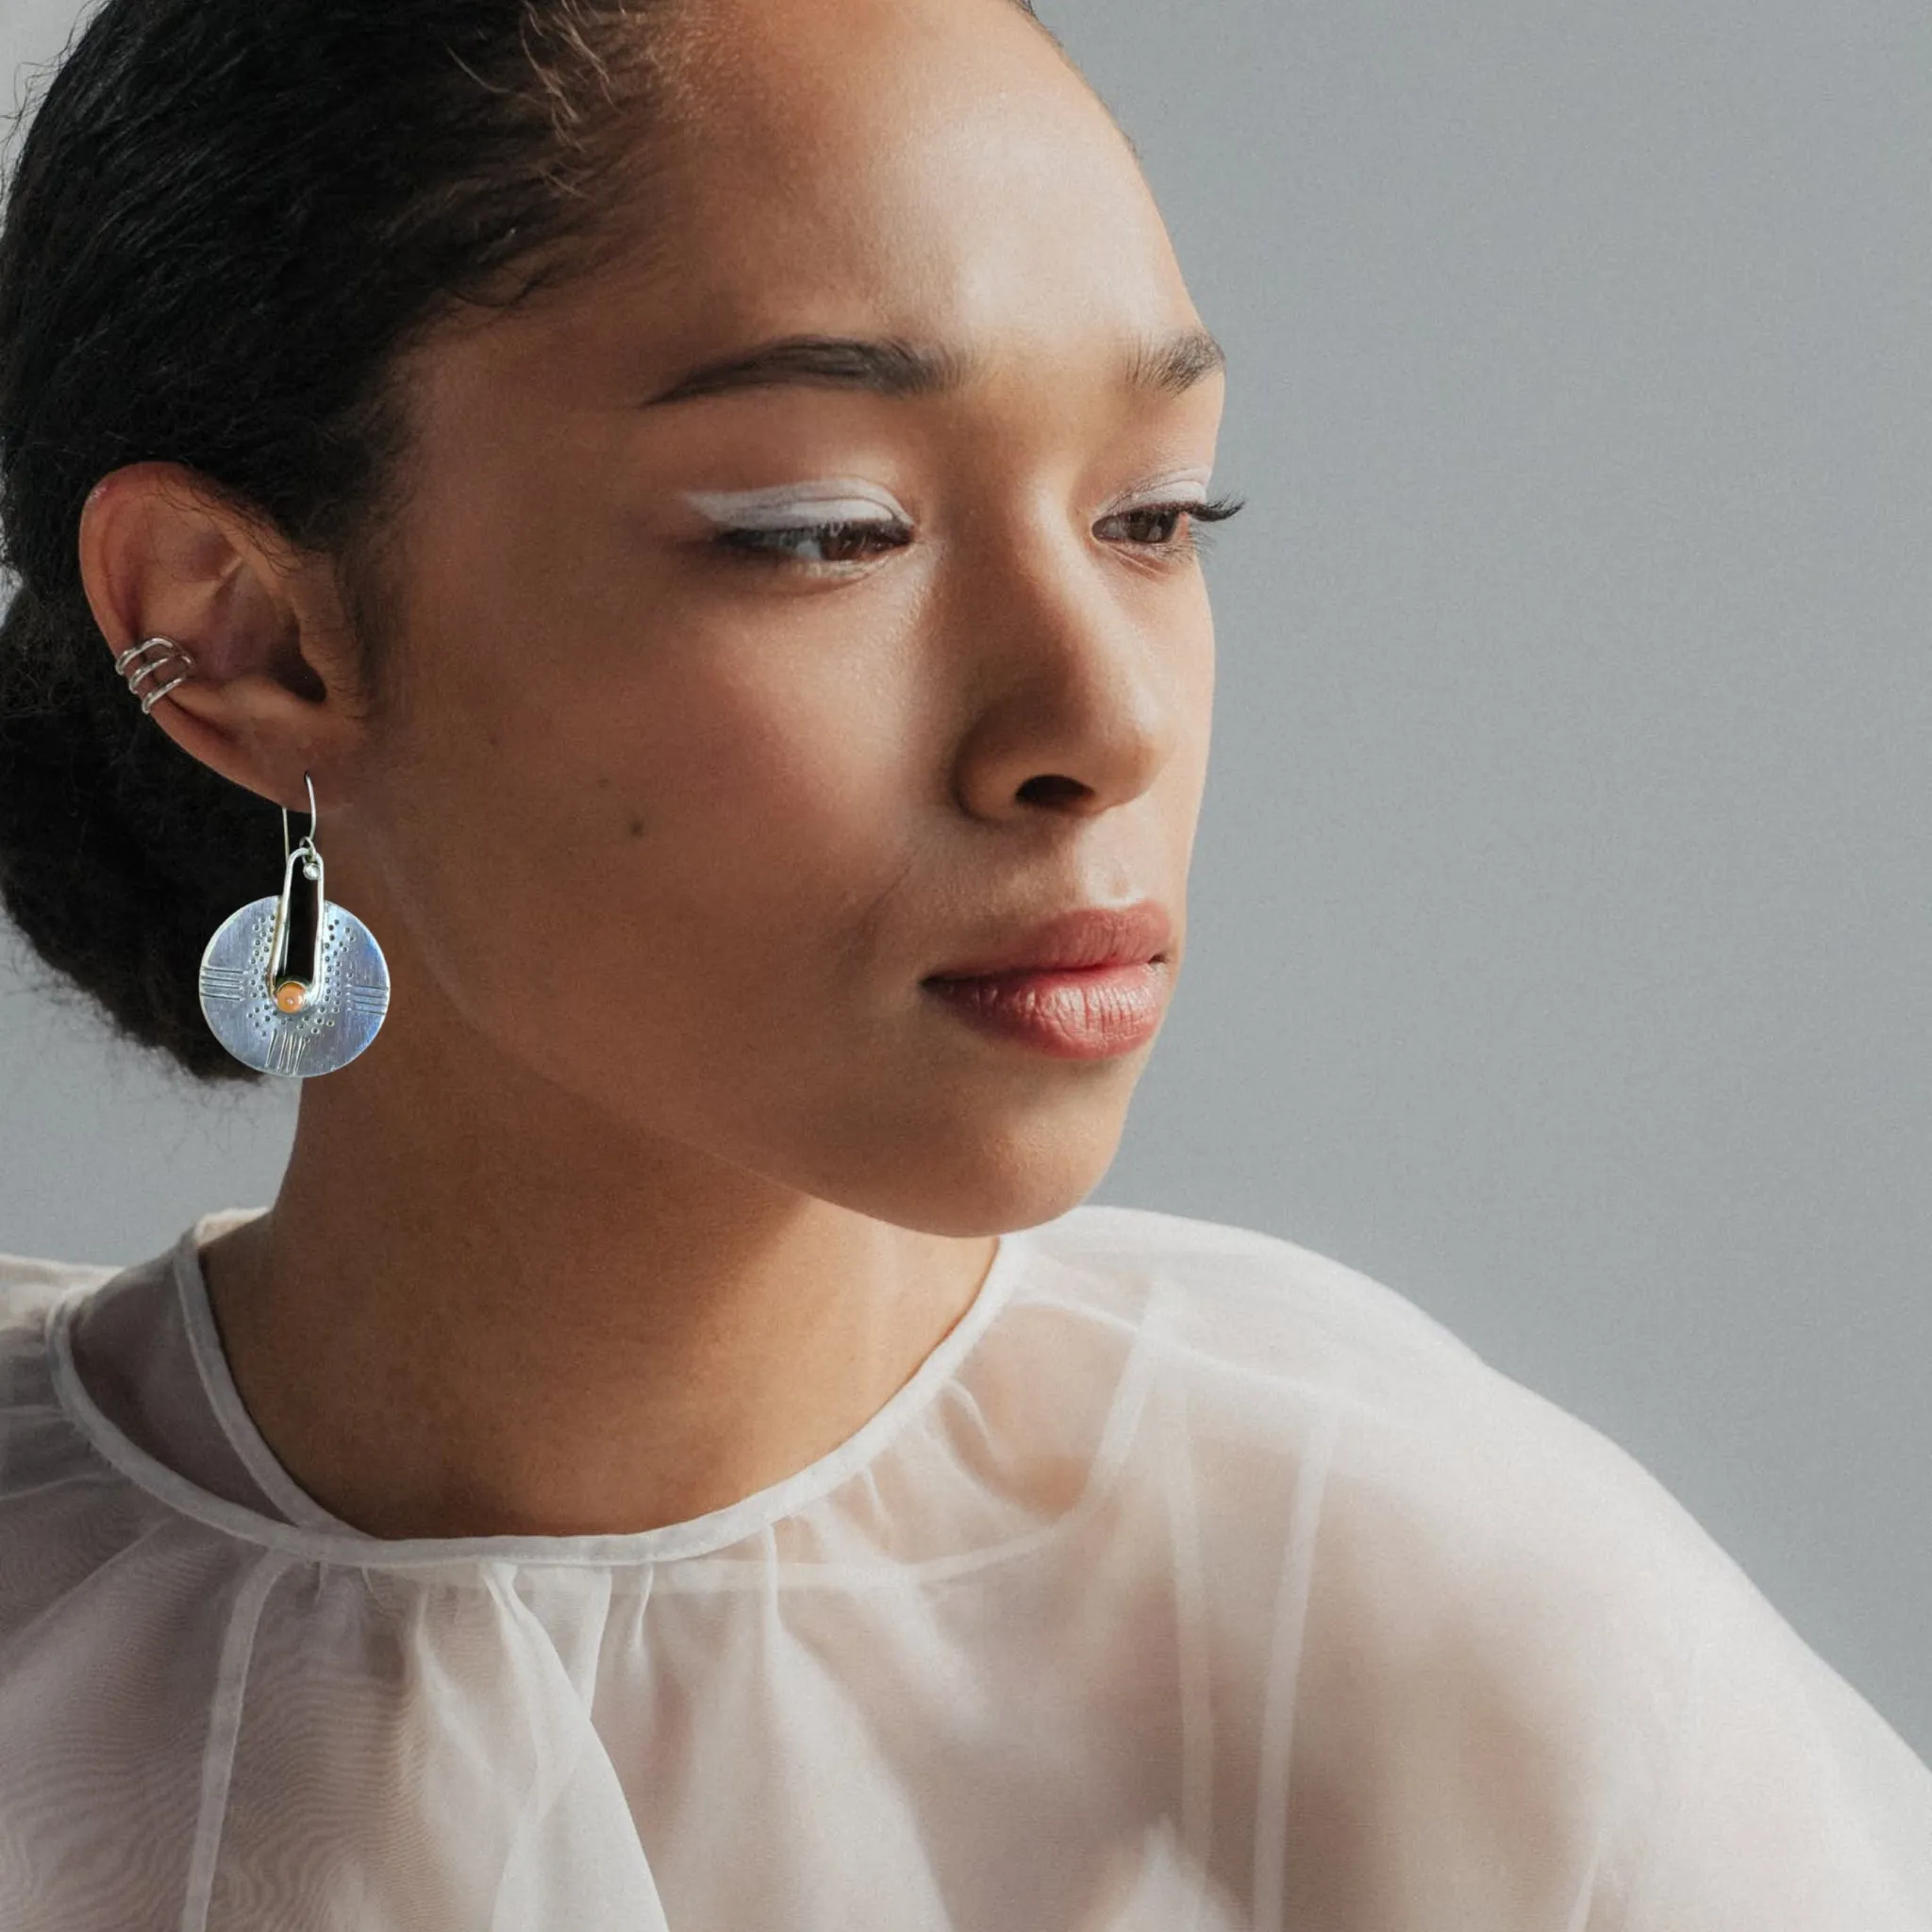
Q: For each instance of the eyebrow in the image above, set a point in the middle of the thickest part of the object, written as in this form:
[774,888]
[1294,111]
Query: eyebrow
[892,366]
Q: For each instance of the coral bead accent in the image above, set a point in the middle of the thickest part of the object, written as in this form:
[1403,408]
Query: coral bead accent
[291,995]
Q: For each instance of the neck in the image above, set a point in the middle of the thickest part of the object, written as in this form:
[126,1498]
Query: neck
[500,1313]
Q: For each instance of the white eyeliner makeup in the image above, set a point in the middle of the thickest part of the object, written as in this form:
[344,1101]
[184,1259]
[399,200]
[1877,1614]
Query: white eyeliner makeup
[792,505]
[1164,490]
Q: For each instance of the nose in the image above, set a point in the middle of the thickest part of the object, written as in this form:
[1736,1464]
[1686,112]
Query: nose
[1080,687]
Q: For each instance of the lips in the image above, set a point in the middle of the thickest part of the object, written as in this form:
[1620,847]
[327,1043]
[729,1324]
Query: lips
[1089,936]
[1081,1013]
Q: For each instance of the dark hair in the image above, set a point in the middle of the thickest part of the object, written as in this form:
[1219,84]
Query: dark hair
[227,222]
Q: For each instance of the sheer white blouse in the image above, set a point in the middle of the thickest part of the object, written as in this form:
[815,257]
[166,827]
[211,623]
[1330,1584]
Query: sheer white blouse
[1193,1582]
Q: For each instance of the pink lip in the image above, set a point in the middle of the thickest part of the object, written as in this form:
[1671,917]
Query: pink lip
[1074,1014]
[1087,985]
[1089,936]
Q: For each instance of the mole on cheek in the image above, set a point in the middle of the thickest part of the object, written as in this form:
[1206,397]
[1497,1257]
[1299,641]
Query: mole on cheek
[637,828]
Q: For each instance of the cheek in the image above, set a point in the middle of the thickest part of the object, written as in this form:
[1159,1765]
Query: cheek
[702,855]
[733,783]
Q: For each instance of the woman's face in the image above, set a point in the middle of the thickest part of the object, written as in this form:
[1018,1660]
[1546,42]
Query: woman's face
[678,819]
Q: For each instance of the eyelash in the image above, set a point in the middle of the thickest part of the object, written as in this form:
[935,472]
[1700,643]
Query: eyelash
[759,546]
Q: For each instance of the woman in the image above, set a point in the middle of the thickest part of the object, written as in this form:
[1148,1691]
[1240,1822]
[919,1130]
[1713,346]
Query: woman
[694,509]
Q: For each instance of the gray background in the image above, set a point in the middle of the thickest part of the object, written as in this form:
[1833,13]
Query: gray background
[1560,944]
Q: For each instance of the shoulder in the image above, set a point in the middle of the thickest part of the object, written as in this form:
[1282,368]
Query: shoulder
[31,1286]
[1436,1514]
[1263,1324]
[1417,1514]
[49,1473]
[1333,1389]
[1450,1570]
[1253,1303]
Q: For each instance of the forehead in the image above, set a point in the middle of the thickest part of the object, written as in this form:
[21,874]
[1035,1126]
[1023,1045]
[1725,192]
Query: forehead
[926,169]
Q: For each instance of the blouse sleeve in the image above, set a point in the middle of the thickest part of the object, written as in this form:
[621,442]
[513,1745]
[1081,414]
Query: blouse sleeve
[1788,1801]
[1537,1695]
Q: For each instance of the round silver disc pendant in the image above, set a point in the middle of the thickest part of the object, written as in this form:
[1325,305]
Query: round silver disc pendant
[343,1018]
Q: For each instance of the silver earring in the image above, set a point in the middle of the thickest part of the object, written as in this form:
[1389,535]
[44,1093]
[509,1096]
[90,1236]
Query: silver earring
[155,659]
[293,985]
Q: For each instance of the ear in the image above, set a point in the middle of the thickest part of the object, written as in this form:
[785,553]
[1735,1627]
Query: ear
[275,693]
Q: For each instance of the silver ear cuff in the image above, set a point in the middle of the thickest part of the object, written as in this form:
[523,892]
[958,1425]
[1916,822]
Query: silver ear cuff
[154,659]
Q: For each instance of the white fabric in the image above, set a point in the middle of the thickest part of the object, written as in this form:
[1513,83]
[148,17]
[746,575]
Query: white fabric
[1195,1582]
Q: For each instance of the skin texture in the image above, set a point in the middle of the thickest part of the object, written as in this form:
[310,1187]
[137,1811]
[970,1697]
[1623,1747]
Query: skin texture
[664,1173]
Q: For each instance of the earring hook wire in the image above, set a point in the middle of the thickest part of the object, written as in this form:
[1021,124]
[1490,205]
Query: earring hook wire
[307,838]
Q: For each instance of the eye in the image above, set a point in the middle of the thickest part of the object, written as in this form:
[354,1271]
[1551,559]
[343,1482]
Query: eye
[828,546]
[1164,519]
[835,542]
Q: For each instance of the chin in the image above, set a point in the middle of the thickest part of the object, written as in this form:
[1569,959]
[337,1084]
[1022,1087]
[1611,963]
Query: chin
[999,1176]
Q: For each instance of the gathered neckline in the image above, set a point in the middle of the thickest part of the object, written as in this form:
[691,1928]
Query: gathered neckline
[316,1535]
